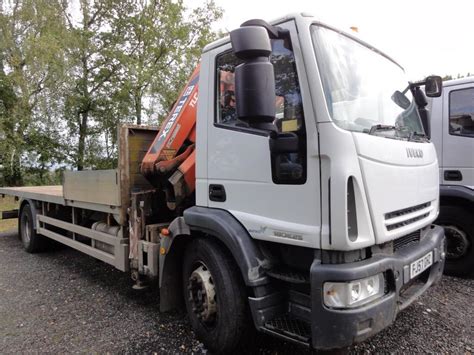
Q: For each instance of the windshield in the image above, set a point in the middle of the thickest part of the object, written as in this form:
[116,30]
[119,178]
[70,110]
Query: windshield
[363,88]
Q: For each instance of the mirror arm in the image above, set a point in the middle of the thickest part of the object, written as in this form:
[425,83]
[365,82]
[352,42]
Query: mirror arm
[417,83]
[274,32]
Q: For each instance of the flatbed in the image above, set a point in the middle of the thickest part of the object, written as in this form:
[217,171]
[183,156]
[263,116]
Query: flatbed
[52,194]
[60,212]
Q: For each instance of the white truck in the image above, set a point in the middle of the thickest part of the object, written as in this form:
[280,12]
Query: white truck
[452,132]
[315,192]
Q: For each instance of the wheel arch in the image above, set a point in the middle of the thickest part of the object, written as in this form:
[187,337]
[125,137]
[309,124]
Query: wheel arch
[458,196]
[227,229]
[208,223]
[456,211]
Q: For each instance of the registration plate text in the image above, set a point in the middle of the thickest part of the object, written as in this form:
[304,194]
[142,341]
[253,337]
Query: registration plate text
[420,265]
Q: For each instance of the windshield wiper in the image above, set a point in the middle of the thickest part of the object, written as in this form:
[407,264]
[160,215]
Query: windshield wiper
[380,127]
[412,136]
[418,136]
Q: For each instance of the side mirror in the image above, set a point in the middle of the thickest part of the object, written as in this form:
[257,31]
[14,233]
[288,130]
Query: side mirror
[421,103]
[254,78]
[433,86]
[401,100]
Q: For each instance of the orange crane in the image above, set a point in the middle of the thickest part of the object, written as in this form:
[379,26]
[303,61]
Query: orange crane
[170,162]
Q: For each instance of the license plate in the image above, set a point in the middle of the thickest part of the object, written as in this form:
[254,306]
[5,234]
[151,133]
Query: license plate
[420,265]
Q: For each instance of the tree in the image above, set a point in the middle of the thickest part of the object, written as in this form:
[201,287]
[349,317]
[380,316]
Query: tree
[164,41]
[92,55]
[67,78]
[8,101]
[127,55]
[30,37]
[458,76]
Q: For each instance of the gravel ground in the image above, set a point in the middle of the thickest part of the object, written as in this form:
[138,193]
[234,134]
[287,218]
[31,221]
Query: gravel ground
[64,301]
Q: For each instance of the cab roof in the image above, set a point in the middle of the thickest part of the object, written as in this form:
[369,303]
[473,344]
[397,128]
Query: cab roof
[304,16]
[226,39]
[460,81]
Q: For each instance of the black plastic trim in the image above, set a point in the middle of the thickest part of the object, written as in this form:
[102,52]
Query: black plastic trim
[329,211]
[358,324]
[452,175]
[217,193]
[458,191]
[10,214]
[224,226]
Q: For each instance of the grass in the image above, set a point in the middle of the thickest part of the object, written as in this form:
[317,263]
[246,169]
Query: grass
[6,204]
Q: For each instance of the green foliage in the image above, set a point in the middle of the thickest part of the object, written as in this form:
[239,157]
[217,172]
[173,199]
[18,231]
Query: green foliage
[459,76]
[164,44]
[30,33]
[72,70]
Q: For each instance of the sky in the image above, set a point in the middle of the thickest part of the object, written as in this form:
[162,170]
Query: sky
[425,37]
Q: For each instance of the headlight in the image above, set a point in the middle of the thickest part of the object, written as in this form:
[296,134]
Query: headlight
[353,293]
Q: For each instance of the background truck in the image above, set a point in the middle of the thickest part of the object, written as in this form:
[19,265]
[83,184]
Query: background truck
[452,132]
[288,188]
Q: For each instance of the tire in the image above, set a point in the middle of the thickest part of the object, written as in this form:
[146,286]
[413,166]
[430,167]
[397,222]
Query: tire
[459,230]
[208,270]
[32,242]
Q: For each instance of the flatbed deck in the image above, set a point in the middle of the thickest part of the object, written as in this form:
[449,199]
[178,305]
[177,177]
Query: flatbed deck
[89,211]
[52,194]
[93,190]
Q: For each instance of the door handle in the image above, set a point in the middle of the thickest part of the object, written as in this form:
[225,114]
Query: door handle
[217,193]
[452,175]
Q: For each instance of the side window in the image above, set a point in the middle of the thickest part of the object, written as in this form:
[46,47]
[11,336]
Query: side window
[288,104]
[461,112]
[226,113]
[288,167]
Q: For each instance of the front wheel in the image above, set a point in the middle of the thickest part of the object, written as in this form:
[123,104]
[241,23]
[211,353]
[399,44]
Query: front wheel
[459,232]
[214,295]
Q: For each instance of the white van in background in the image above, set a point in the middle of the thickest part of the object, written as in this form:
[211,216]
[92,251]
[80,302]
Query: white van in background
[452,132]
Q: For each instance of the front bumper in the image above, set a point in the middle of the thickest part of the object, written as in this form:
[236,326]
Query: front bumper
[335,328]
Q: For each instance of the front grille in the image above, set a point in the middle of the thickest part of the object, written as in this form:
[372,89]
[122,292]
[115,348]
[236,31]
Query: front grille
[405,211]
[406,240]
[404,217]
[406,222]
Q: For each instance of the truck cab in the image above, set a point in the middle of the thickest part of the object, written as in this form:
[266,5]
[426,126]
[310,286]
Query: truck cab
[343,218]
[452,132]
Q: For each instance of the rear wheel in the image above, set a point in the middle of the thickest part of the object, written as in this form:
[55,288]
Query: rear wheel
[32,242]
[214,294]
[459,231]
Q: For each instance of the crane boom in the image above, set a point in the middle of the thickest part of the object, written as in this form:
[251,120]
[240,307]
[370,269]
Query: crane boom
[170,161]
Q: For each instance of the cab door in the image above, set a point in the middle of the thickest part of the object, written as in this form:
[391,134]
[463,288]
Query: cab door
[458,135]
[275,198]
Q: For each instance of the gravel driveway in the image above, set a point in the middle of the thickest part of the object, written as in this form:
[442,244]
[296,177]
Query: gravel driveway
[63,301]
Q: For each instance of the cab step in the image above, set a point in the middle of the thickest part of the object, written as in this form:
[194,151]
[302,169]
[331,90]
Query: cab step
[290,329]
